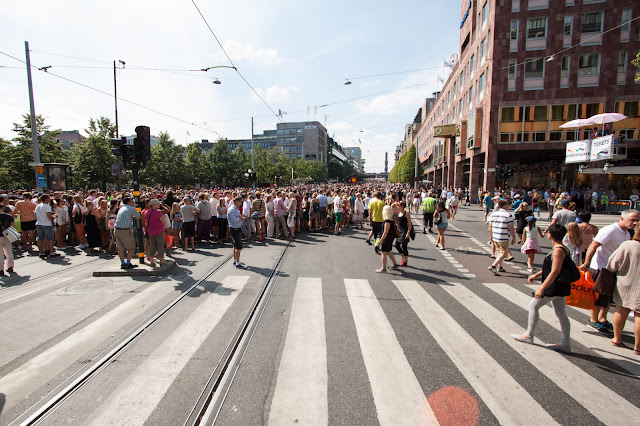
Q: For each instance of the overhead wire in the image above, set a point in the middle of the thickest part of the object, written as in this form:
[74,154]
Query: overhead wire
[394,73]
[111,95]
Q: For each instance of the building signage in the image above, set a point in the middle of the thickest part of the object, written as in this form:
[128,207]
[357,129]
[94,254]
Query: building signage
[466,14]
[578,152]
[602,148]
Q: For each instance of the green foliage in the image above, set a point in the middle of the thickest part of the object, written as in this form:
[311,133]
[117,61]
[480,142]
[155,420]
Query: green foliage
[404,169]
[194,164]
[18,173]
[167,166]
[636,63]
[94,154]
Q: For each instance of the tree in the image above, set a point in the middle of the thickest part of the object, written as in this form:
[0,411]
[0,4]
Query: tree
[19,173]
[5,148]
[194,164]
[95,154]
[167,165]
[220,165]
[636,62]
[404,169]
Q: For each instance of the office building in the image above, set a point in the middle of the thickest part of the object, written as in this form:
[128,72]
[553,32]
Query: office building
[524,67]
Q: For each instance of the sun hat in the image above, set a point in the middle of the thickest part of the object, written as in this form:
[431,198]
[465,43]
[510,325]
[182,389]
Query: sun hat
[153,202]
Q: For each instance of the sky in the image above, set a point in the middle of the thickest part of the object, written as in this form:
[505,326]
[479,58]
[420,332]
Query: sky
[295,54]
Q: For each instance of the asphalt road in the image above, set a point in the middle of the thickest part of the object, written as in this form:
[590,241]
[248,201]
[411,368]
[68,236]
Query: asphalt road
[337,343]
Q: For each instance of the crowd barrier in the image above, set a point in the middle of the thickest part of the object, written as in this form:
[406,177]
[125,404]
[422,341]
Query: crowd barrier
[637,206]
[619,206]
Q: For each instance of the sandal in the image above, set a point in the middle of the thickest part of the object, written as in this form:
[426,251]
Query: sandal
[510,259]
[619,345]
[381,270]
[636,351]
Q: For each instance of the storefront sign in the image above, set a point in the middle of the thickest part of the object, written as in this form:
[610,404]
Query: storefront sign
[578,152]
[602,148]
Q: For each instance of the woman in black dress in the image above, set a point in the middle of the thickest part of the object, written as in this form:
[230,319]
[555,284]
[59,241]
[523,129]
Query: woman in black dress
[404,228]
[388,235]
[91,227]
[522,213]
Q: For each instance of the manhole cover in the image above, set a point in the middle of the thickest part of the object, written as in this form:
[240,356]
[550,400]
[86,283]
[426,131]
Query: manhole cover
[88,286]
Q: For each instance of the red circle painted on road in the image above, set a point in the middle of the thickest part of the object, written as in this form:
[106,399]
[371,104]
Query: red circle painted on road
[453,406]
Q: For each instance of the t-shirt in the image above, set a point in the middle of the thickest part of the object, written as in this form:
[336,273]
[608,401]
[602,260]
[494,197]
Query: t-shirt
[337,205]
[375,209]
[610,236]
[41,215]
[258,206]
[155,225]
[366,202]
[214,207]
[246,208]
[298,202]
[500,222]
[205,210]
[187,211]
[322,199]
[564,217]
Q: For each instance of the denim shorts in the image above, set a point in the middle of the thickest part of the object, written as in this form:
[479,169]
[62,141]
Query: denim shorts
[44,232]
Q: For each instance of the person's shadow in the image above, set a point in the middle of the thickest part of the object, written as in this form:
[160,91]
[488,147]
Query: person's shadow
[3,399]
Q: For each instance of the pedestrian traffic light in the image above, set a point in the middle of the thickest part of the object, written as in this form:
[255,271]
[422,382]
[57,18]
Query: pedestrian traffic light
[127,154]
[142,145]
[117,145]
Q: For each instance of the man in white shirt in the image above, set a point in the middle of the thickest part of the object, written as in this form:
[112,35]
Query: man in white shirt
[604,244]
[247,203]
[337,211]
[44,228]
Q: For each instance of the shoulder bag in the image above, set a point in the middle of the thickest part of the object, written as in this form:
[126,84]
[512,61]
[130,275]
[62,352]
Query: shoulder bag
[569,272]
[11,234]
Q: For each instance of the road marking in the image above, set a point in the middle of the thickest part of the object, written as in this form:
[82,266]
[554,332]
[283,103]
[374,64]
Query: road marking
[580,332]
[396,391]
[566,375]
[469,275]
[507,400]
[11,296]
[139,394]
[36,372]
[301,389]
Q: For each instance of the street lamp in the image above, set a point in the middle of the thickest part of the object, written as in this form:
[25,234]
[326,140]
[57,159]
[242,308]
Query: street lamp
[217,81]
[346,83]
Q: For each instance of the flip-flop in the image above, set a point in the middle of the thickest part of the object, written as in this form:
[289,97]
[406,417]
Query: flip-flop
[636,351]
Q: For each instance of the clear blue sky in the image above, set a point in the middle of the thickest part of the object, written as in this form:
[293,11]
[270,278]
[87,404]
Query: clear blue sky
[297,54]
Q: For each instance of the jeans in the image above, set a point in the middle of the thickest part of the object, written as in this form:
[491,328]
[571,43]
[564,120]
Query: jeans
[560,307]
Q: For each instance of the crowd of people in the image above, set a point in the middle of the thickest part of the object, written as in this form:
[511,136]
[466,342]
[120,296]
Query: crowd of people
[98,222]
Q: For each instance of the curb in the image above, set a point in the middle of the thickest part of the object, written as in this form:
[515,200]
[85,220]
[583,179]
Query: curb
[142,271]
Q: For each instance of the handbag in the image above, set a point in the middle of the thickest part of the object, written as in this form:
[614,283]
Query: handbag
[569,272]
[582,295]
[11,234]
[412,234]
[606,282]
[168,241]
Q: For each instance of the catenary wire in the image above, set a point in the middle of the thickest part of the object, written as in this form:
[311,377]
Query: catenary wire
[110,95]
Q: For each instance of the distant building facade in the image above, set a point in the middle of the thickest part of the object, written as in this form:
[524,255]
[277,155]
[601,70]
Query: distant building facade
[69,138]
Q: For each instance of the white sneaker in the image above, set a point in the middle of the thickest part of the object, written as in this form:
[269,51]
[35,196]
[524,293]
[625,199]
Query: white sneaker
[530,270]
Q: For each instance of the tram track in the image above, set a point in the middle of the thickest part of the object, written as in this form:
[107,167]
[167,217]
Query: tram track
[88,373]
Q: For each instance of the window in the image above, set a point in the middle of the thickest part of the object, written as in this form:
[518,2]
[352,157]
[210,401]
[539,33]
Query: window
[461,79]
[537,27]
[564,67]
[481,84]
[512,69]
[482,49]
[568,25]
[589,64]
[622,61]
[591,22]
[540,113]
[557,112]
[508,114]
[592,109]
[631,108]
[471,94]
[484,14]
[534,68]
[455,86]
[472,63]
[626,19]
[514,30]
[572,112]
[555,136]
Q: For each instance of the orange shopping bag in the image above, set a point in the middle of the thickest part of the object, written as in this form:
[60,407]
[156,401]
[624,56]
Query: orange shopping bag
[582,295]
[168,241]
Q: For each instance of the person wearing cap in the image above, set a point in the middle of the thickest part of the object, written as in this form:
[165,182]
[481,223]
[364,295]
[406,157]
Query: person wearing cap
[155,229]
[563,216]
[123,232]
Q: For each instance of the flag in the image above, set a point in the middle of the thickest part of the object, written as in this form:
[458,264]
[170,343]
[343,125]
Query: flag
[440,79]
[448,64]
[360,141]
[281,112]
[188,132]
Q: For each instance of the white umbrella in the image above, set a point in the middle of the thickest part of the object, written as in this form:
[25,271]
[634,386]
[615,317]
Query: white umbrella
[607,117]
[578,122]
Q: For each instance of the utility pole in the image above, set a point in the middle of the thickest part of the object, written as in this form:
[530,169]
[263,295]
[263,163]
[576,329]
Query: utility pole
[34,124]
[253,168]
[115,98]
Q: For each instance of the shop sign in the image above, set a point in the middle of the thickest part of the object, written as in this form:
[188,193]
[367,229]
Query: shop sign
[602,148]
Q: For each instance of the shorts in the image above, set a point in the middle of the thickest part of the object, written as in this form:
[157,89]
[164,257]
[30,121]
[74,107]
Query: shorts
[530,251]
[487,210]
[338,217]
[442,225]
[28,226]
[603,300]
[44,232]
[124,239]
[188,229]
[501,247]
[366,213]
[214,221]
[236,234]
[323,213]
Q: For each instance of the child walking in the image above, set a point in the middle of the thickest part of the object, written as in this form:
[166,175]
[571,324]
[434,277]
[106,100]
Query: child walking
[531,245]
[573,241]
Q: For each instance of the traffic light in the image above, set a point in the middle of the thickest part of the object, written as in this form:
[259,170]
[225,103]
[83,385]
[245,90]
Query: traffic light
[508,171]
[127,154]
[253,176]
[142,145]
[92,176]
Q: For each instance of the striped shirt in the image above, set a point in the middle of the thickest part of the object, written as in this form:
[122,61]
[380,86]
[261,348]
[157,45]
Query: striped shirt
[125,217]
[500,221]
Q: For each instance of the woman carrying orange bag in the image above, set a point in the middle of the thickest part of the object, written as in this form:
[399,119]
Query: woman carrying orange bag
[582,295]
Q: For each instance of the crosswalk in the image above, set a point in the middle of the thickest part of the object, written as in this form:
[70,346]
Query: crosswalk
[300,391]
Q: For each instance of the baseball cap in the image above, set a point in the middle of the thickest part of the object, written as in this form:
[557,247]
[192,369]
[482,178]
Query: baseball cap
[564,203]
[531,219]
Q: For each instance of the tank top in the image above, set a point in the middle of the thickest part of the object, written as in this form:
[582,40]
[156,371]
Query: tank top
[555,288]
[532,234]
[403,223]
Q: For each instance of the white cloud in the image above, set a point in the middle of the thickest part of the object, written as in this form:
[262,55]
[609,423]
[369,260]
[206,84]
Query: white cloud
[392,103]
[240,51]
[276,94]
[339,126]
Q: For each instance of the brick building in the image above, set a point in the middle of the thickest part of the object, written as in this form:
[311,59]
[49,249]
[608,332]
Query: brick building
[524,68]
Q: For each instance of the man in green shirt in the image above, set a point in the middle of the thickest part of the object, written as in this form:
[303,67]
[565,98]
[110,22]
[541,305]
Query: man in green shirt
[375,218]
[428,208]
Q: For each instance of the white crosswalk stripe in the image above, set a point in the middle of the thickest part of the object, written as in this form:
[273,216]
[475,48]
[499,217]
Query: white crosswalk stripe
[137,397]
